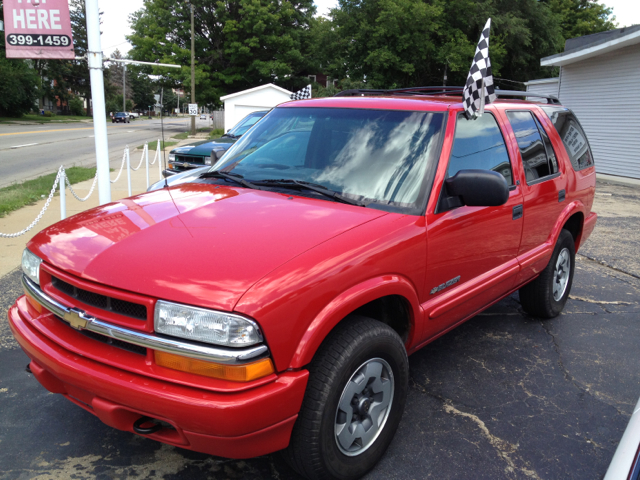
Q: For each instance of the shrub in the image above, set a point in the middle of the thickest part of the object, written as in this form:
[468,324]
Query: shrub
[49,113]
[76,106]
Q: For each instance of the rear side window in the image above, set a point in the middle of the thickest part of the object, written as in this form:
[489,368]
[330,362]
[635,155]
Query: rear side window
[478,144]
[537,163]
[572,135]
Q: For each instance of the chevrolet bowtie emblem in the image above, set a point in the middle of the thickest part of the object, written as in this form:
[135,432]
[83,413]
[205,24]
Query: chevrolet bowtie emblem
[76,318]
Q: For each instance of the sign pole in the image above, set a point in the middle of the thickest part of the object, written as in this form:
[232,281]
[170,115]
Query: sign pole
[94,56]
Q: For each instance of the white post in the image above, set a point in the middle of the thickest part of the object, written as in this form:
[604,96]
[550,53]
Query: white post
[146,160]
[159,157]
[63,200]
[94,55]
[128,169]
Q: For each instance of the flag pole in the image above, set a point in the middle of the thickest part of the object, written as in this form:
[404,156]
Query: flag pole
[94,57]
[480,111]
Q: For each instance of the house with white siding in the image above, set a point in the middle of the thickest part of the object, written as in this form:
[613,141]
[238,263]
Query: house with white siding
[599,80]
[240,104]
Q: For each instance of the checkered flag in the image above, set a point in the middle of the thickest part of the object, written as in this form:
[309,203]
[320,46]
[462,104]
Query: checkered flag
[302,94]
[479,73]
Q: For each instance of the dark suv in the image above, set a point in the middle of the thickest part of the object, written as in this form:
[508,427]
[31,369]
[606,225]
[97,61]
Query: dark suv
[121,117]
[334,239]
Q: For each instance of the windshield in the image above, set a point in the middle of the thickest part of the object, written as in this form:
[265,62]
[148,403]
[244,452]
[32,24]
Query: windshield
[372,156]
[245,124]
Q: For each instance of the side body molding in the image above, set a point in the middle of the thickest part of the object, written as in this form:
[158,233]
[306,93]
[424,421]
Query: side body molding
[350,300]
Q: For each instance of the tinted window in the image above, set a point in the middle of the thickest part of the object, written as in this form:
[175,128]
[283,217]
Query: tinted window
[532,149]
[551,154]
[246,123]
[478,144]
[572,135]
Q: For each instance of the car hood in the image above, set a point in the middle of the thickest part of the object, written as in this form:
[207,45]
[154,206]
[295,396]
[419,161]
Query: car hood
[199,243]
[204,147]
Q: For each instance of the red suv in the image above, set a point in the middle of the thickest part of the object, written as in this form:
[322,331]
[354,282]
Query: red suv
[272,304]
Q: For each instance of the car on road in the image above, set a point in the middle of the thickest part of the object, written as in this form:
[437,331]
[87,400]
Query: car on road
[203,117]
[133,115]
[272,304]
[197,154]
[121,117]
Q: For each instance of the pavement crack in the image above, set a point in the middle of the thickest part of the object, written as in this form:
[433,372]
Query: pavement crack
[569,377]
[599,302]
[504,449]
[605,264]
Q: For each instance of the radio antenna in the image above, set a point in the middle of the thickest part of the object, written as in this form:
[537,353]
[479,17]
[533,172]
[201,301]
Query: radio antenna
[164,162]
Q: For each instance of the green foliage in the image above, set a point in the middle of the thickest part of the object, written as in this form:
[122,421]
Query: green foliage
[216,133]
[19,87]
[402,43]
[238,43]
[582,17]
[76,106]
[49,114]
[154,145]
[18,195]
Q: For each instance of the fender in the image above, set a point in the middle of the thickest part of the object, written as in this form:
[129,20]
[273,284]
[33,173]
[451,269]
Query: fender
[572,208]
[350,300]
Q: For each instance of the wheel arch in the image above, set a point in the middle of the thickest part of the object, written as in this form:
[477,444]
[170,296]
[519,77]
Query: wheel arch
[376,298]
[571,219]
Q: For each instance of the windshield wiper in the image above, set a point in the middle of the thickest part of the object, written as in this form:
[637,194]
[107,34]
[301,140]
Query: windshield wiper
[299,184]
[235,177]
[230,135]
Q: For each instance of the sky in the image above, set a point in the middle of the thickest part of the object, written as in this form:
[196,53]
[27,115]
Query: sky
[115,20]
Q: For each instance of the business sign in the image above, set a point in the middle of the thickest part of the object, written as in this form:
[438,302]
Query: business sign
[193,109]
[38,29]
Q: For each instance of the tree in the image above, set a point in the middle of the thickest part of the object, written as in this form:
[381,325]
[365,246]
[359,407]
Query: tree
[19,87]
[582,17]
[19,83]
[401,43]
[238,43]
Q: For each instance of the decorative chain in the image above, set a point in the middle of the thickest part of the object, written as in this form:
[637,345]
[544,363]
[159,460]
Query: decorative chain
[93,185]
[155,156]
[124,155]
[141,158]
[46,205]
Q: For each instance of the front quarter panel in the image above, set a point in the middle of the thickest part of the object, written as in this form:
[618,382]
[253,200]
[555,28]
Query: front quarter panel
[299,303]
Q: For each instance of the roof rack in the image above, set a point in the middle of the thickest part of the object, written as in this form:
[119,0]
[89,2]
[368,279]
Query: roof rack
[442,90]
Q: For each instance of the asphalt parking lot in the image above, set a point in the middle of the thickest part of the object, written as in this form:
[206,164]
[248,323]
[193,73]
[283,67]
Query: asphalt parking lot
[504,396]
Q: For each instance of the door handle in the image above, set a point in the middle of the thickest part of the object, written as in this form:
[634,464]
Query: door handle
[517,212]
[561,195]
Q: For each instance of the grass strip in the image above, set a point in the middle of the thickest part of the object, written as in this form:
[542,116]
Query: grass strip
[181,136]
[43,119]
[29,192]
[216,132]
[154,145]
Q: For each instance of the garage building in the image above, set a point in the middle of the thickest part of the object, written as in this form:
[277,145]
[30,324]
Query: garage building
[599,80]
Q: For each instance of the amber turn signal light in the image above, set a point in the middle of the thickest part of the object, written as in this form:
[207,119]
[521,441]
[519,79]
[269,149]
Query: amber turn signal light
[234,373]
[32,302]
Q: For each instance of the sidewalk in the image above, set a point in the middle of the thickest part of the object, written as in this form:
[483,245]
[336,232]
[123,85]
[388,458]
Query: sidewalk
[11,248]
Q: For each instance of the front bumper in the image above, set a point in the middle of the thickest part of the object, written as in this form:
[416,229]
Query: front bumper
[240,424]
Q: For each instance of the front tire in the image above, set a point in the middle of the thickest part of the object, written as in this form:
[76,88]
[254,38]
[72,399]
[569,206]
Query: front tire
[546,295]
[353,403]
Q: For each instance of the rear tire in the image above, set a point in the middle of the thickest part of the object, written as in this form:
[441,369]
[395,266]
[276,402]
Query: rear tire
[546,295]
[353,403]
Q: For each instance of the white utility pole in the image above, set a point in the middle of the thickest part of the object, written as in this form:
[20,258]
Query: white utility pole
[124,87]
[94,56]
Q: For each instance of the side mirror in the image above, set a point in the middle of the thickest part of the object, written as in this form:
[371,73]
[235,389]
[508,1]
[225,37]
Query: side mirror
[216,153]
[478,188]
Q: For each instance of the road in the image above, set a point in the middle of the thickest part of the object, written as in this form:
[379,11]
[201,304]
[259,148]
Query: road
[28,151]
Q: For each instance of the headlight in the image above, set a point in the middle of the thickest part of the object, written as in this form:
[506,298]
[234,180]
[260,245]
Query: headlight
[204,325]
[31,266]
[172,157]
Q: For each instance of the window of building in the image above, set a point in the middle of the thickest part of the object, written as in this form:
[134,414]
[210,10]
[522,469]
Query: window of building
[536,162]
[312,78]
[572,135]
[479,144]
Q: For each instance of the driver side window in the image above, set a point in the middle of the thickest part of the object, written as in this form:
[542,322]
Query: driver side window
[478,144]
